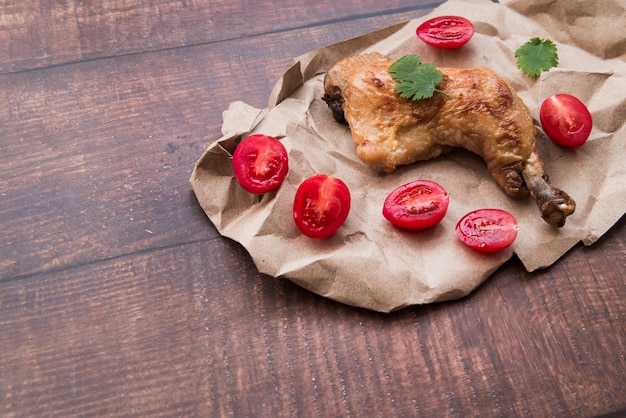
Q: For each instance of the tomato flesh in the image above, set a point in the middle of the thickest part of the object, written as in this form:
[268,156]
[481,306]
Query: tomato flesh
[566,120]
[419,204]
[487,230]
[260,163]
[446,32]
[321,206]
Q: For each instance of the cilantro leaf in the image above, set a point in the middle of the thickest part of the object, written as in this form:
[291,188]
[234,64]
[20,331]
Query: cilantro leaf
[536,55]
[415,80]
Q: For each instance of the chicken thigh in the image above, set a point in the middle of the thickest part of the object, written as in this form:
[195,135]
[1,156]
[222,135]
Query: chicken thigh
[479,112]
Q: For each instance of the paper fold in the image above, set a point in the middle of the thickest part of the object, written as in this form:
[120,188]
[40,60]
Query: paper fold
[369,263]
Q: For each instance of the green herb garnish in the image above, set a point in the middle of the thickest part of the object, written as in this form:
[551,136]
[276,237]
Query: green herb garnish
[415,80]
[536,55]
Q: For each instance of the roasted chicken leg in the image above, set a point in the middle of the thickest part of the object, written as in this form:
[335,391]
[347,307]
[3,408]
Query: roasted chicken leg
[479,112]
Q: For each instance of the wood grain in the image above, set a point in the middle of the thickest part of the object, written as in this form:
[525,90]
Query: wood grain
[119,298]
[35,34]
[168,329]
[102,150]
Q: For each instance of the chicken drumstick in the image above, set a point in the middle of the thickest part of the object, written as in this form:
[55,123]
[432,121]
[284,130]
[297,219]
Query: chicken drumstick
[479,112]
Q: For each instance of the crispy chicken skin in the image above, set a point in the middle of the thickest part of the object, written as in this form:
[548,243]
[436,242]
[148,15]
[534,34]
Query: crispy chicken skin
[479,112]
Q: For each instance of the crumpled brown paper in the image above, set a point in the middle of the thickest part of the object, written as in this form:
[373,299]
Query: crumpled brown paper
[369,263]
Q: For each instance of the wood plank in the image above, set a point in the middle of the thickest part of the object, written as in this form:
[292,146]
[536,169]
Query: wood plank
[108,339]
[36,34]
[196,330]
[97,155]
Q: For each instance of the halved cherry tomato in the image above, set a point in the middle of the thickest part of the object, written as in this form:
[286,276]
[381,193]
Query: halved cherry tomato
[566,120]
[446,32]
[419,204]
[321,206]
[487,230]
[260,163]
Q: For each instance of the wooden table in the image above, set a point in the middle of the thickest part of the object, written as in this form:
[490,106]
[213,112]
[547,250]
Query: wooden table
[119,298]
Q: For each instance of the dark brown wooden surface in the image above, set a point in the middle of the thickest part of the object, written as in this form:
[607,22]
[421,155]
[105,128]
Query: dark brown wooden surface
[119,298]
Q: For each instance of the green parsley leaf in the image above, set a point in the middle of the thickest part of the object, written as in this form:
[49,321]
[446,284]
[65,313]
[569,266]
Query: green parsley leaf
[536,55]
[415,80]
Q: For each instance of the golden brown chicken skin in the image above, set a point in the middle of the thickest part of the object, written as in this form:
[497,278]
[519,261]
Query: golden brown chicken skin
[479,112]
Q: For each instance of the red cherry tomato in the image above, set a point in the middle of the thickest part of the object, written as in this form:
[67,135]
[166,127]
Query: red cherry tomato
[446,32]
[566,120]
[260,163]
[321,206]
[419,204]
[487,230]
